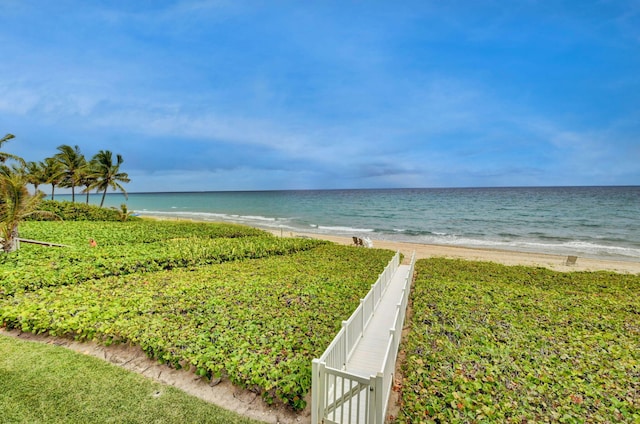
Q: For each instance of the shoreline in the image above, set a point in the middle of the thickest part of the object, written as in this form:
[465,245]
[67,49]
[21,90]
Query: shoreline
[504,257]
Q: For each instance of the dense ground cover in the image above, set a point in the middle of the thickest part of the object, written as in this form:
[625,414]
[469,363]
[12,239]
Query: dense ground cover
[76,211]
[50,384]
[259,322]
[490,343]
[122,233]
[127,247]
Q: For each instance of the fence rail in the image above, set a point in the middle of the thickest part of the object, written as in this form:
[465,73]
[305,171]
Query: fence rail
[395,336]
[342,346]
[342,397]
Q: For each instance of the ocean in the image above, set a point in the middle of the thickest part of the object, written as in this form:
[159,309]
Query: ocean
[595,222]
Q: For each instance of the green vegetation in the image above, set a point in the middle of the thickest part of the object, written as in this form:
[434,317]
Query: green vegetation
[69,211]
[139,232]
[69,168]
[238,302]
[73,164]
[104,174]
[15,206]
[490,343]
[6,156]
[49,384]
[129,247]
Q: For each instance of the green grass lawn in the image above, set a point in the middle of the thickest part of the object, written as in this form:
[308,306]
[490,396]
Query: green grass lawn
[50,384]
[491,343]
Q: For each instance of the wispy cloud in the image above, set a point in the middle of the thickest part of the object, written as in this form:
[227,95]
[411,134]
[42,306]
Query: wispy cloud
[328,95]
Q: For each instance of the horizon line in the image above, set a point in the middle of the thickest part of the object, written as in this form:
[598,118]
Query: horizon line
[357,189]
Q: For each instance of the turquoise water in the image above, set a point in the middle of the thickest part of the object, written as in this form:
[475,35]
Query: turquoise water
[598,222]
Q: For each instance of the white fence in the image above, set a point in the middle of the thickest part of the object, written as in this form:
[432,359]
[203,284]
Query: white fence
[342,397]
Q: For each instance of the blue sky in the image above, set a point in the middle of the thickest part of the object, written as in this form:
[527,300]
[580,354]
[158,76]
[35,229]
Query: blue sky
[254,95]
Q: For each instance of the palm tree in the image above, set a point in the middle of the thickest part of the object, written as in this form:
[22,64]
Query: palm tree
[6,138]
[15,205]
[107,174]
[4,156]
[73,163]
[13,169]
[87,179]
[123,212]
[35,172]
[53,173]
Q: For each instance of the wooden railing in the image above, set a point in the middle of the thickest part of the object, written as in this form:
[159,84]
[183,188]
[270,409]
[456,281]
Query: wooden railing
[342,397]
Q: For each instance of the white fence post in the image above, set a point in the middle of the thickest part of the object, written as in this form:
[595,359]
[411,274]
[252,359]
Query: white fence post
[345,344]
[364,319]
[371,413]
[379,406]
[317,380]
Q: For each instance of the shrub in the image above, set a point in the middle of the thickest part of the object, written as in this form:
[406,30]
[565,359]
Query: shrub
[69,211]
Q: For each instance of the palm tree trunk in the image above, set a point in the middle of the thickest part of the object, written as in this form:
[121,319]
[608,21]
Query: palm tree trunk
[14,243]
[104,193]
[73,194]
[87,195]
[53,189]
[11,244]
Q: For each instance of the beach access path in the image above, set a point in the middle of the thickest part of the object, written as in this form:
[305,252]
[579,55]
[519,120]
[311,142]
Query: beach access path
[358,389]
[368,356]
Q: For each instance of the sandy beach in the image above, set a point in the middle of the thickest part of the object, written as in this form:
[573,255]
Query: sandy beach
[505,257]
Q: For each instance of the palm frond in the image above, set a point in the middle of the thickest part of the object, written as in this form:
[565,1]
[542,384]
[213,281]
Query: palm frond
[15,205]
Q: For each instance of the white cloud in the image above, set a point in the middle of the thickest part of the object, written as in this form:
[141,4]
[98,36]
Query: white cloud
[375,102]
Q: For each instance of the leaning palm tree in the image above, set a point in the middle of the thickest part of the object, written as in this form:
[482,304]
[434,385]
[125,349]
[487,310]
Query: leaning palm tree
[5,156]
[53,174]
[73,163]
[15,205]
[107,174]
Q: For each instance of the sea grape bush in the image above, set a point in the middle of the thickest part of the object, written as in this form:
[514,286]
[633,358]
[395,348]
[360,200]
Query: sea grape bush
[126,248]
[71,211]
[119,233]
[72,266]
[257,322]
[490,343]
